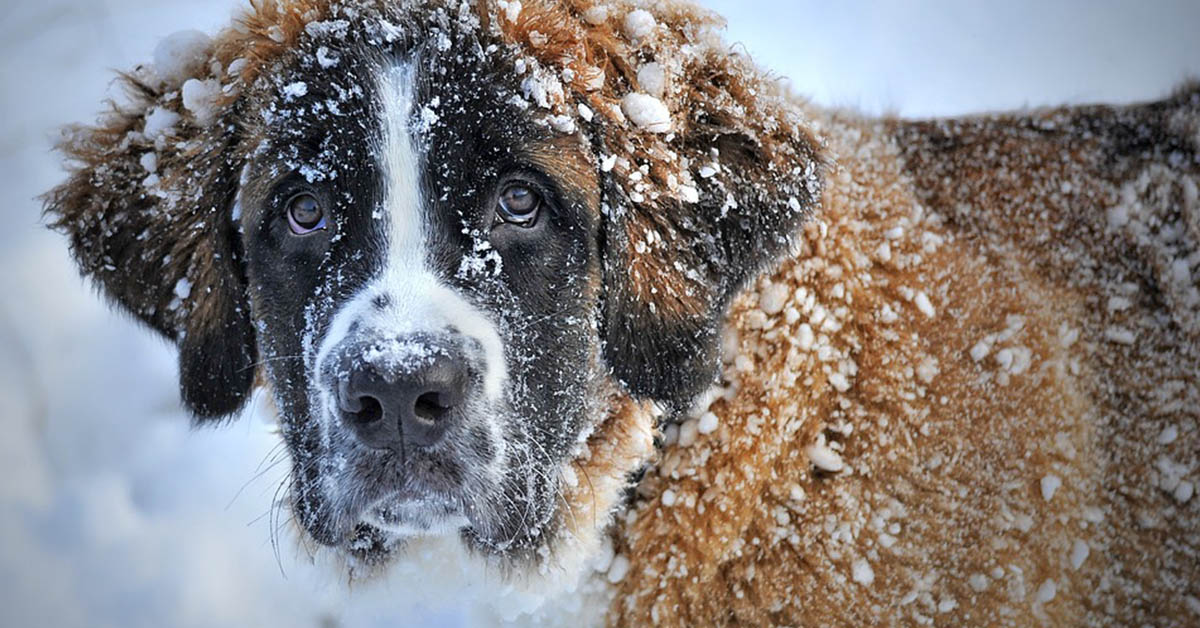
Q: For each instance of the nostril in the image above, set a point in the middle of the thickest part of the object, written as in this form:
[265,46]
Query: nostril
[432,406]
[370,411]
[394,402]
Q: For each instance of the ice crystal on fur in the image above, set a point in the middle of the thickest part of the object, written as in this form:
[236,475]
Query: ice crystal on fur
[180,57]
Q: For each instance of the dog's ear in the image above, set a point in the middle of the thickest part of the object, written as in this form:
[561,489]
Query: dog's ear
[693,213]
[707,169]
[148,209]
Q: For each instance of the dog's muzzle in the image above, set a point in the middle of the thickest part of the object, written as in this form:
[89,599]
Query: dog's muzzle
[409,433]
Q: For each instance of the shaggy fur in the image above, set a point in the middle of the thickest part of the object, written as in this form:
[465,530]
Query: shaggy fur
[992,323]
[965,393]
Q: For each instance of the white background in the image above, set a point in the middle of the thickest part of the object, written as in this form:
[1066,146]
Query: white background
[113,512]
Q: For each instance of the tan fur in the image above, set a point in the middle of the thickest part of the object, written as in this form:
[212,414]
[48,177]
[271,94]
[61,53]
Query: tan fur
[945,455]
[622,442]
[569,164]
[1022,235]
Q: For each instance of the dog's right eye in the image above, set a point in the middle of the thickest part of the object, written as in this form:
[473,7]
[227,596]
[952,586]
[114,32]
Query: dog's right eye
[305,214]
[518,205]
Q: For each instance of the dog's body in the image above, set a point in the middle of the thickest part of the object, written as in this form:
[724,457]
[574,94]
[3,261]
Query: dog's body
[986,326]
[484,256]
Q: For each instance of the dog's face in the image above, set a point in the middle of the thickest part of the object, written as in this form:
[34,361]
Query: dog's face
[423,263]
[453,263]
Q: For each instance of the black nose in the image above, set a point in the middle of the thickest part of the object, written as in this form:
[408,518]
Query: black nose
[409,399]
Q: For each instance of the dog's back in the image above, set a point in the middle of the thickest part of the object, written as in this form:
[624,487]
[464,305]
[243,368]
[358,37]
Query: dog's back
[971,398]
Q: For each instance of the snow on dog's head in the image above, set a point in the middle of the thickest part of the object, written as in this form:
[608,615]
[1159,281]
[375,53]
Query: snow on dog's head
[470,247]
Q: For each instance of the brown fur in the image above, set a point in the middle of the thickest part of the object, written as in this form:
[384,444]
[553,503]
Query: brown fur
[998,218]
[570,165]
[717,95]
[1002,224]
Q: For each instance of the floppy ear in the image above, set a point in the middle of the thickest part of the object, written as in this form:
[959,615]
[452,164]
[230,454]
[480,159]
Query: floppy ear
[685,233]
[672,267]
[707,167]
[147,209]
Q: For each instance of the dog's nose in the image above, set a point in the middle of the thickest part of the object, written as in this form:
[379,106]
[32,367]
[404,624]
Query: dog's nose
[407,399]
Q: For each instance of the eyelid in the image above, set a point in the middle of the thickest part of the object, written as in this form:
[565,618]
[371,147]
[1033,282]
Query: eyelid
[533,179]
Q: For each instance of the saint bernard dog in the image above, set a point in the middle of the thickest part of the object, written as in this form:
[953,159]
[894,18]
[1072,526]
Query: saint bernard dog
[574,286]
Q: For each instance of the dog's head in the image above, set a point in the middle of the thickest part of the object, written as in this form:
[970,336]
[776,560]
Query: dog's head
[464,244]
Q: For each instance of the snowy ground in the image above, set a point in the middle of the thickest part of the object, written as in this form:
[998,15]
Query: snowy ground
[114,513]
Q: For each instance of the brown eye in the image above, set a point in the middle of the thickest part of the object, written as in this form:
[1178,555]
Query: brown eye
[519,205]
[305,214]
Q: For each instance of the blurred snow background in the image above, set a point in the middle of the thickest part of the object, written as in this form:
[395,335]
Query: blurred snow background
[113,512]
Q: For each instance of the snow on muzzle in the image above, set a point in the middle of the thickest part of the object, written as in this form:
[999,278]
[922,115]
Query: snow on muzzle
[407,391]
[409,431]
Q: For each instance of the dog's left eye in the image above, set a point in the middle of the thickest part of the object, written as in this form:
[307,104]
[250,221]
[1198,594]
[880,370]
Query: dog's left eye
[519,205]
[305,214]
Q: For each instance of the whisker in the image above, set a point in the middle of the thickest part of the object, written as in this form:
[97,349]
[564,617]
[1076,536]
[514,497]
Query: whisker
[540,319]
[278,358]
[263,468]
[276,503]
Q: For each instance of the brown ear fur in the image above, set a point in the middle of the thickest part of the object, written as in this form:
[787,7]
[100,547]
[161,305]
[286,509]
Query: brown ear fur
[689,215]
[162,244]
[672,267]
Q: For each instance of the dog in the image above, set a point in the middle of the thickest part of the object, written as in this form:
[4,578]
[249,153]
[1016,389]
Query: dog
[574,287]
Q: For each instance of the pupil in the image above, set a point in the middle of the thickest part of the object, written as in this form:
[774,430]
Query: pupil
[519,200]
[305,211]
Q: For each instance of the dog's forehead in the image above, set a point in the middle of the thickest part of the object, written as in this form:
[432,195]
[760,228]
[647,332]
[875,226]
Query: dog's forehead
[469,113]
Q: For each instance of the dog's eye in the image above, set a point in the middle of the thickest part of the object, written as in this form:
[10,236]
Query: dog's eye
[519,205]
[305,214]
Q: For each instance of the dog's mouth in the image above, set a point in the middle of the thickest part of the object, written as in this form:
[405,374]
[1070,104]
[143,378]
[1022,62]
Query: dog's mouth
[408,515]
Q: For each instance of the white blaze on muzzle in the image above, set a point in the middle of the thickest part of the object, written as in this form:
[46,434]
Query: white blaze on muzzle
[417,301]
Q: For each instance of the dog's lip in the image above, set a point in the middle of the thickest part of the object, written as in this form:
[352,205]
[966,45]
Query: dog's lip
[415,514]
